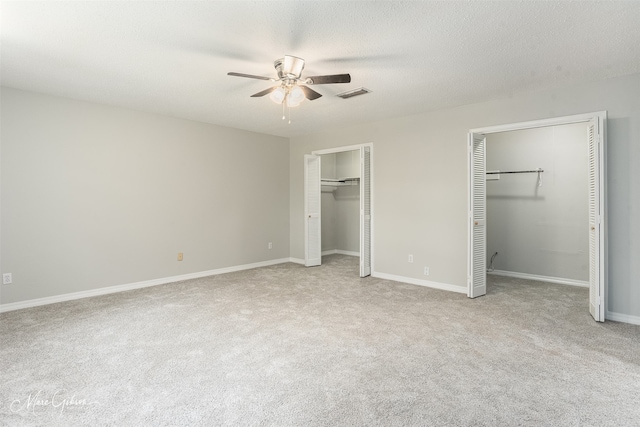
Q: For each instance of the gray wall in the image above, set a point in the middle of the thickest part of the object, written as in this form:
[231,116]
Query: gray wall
[341,219]
[348,218]
[87,187]
[328,214]
[536,230]
[420,181]
[329,218]
[348,202]
[94,196]
[328,166]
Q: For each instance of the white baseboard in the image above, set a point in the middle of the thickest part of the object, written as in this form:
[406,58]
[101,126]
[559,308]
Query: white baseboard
[558,280]
[624,318]
[137,285]
[421,282]
[350,253]
[618,317]
[341,252]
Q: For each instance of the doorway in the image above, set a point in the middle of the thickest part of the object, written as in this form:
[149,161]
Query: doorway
[477,207]
[340,203]
[537,205]
[349,171]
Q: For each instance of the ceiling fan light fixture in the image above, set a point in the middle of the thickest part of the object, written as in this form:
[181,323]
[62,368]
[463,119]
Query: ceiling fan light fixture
[292,89]
[295,96]
[278,95]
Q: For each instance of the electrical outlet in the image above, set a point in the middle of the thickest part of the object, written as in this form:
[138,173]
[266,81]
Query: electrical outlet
[6,279]
[270,245]
[180,256]
[410,258]
[426,271]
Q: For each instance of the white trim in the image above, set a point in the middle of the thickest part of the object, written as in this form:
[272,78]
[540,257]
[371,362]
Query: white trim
[341,252]
[341,149]
[296,261]
[625,318]
[372,200]
[554,121]
[349,253]
[527,276]
[137,285]
[421,282]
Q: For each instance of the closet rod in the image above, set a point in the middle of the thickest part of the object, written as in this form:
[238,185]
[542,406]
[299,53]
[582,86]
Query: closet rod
[499,172]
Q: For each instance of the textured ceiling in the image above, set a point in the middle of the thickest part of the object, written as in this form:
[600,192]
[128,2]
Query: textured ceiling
[172,57]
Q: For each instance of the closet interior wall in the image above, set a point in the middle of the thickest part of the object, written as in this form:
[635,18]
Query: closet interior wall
[341,202]
[539,230]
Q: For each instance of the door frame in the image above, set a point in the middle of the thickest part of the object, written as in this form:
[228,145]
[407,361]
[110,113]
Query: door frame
[600,118]
[371,188]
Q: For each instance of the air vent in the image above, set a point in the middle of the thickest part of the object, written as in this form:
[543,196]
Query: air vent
[353,92]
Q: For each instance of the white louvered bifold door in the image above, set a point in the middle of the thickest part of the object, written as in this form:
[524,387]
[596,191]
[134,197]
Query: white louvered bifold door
[365,211]
[596,282]
[477,285]
[312,223]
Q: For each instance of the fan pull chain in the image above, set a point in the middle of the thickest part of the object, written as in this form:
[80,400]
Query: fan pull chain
[282,110]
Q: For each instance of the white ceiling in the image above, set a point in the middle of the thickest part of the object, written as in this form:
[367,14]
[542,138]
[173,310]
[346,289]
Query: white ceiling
[172,57]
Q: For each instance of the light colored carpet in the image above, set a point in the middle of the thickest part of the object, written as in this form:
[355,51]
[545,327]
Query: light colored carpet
[291,346]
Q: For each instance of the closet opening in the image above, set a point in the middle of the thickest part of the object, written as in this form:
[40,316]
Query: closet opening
[340,201]
[338,205]
[537,205]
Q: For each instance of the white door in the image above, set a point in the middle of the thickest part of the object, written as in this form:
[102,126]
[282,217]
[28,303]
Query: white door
[596,275]
[312,221]
[477,228]
[365,211]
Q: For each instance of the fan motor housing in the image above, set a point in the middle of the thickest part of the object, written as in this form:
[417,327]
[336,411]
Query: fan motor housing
[289,67]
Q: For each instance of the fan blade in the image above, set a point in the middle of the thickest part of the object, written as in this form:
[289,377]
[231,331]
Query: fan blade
[322,80]
[250,76]
[264,92]
[309,93]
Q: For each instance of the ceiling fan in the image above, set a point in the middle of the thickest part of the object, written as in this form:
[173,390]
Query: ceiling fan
[292,90]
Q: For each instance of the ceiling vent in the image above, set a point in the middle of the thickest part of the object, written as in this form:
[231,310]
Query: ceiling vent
[353,92]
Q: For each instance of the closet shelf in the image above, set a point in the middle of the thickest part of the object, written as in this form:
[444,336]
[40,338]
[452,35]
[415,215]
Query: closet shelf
[330,185]
[340,181]
[501,172]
